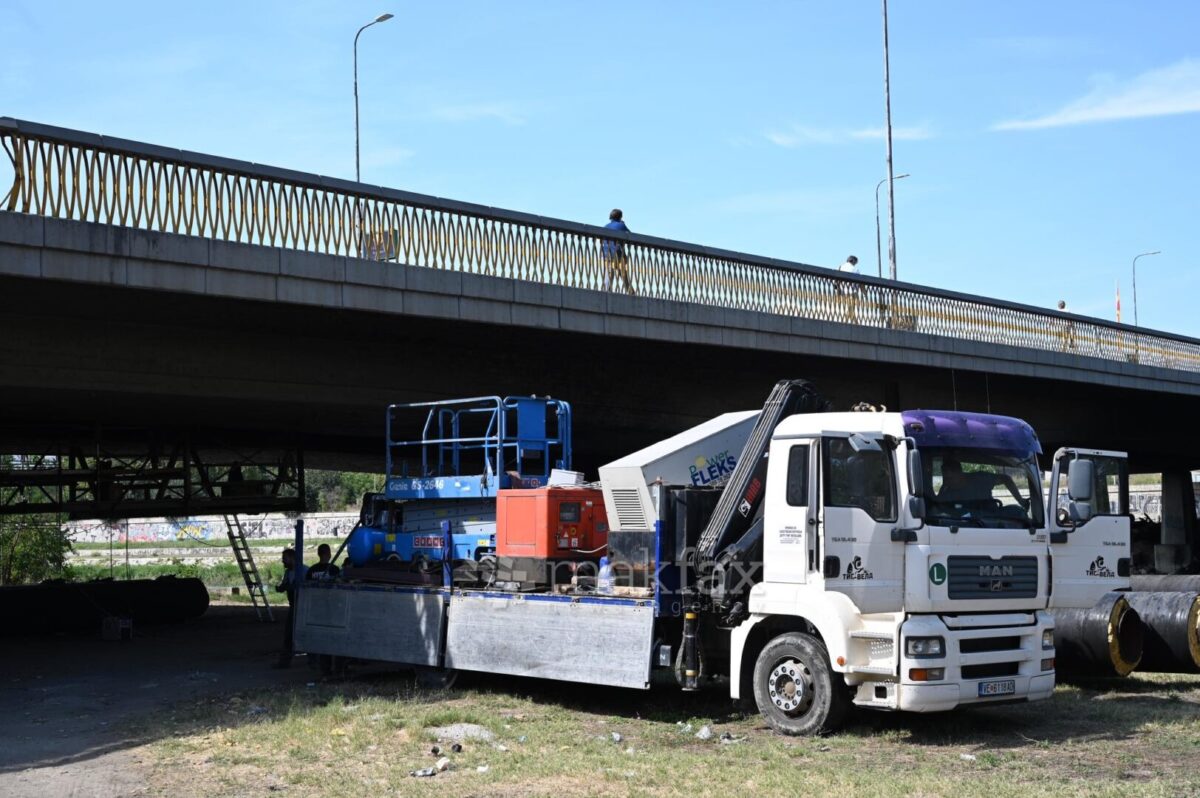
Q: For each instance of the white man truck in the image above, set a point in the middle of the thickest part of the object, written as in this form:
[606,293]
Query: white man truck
[834,559]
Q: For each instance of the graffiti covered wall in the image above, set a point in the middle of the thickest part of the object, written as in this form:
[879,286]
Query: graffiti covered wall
[209,528]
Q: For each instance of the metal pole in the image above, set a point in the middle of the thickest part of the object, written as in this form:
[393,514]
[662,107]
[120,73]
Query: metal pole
[887,96]
[1135,260]
[878,255]
[878,250]
[357,169]
[380,18]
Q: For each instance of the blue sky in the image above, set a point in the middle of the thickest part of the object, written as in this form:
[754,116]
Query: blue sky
[1048,143]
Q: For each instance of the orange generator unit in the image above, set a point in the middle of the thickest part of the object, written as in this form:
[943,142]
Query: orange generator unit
[551,523]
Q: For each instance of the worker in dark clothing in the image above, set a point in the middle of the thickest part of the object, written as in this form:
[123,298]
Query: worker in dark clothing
[288,587]
[323,569]
[615,259]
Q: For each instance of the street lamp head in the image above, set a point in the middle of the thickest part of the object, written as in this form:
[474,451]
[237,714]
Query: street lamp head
[897,177]
[383,17]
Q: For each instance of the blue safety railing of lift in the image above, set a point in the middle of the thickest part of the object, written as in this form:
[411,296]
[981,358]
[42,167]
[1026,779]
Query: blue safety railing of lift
[512,438]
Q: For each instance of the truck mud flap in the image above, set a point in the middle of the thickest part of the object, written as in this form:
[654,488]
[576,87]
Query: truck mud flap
[366,622]
[588,641]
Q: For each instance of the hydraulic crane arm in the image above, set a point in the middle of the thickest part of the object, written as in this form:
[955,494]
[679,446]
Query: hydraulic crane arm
[740,502]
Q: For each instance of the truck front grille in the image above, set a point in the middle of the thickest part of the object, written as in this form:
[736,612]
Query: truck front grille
[987,578]
[979,645]
[991,670]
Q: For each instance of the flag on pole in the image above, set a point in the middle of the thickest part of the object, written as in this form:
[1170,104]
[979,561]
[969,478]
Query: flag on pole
[1118,300]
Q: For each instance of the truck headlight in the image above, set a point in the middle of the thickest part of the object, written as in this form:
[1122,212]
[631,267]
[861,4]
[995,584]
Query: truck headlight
[1048,639]
[924,647]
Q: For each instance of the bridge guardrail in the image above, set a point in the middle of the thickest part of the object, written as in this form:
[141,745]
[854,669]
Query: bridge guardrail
[70,174]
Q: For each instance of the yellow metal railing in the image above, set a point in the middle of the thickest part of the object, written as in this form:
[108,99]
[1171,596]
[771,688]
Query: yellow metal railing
[72,175]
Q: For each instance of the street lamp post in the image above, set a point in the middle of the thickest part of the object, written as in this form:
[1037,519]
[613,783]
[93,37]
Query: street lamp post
[378,19]
[887,96]
[1135,260]
[878,246]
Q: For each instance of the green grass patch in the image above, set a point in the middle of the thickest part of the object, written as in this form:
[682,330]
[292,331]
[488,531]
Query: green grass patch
[1137,737]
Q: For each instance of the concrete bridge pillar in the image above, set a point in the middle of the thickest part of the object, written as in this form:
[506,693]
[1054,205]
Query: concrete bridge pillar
[1174,553]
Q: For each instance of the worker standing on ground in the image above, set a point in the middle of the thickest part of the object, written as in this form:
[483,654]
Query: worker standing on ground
[323,569]
[288,586]
[615,258]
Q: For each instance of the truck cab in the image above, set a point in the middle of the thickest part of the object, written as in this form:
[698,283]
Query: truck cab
[1089,525]
[910,548]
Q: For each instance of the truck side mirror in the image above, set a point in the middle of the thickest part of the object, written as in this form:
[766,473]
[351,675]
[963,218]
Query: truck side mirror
[916,507]
[1080,480]
[1079,490]
[1079,512]
[916,474]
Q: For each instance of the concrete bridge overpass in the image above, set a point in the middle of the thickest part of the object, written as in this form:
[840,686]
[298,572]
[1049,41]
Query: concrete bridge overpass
[149,288]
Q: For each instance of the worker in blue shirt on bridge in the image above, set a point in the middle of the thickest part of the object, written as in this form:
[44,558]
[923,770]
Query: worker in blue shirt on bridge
[615,259]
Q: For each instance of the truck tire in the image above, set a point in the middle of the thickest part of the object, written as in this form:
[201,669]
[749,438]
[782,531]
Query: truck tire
[796,689]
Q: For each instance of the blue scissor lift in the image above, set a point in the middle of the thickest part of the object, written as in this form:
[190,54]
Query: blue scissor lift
[438,503]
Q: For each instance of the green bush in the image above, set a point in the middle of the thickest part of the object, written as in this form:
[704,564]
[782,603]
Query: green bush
[32,548]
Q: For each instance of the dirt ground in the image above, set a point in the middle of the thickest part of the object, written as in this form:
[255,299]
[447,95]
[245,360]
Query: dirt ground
[195,709]
[71,707]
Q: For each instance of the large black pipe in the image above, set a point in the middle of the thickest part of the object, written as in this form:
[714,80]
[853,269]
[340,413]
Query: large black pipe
[1172,631]
[1104,640]
[1158,583]
[81,606]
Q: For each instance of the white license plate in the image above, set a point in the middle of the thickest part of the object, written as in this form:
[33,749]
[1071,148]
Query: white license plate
[1006,687]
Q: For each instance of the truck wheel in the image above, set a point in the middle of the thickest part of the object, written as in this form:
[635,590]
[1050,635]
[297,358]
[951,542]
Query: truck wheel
[796,689]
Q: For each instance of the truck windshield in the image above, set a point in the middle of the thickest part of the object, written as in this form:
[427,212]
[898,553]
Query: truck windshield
[981,488]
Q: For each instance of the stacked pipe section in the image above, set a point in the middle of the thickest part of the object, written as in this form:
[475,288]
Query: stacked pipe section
[1102,640]
[1169,607]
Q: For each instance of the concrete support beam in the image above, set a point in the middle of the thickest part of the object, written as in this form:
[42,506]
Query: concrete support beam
[1174,554]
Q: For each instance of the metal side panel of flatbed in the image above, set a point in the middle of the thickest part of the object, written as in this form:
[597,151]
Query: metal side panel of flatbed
[587,641]
[393,624]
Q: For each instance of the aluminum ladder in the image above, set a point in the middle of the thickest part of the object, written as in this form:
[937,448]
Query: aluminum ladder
[245,561]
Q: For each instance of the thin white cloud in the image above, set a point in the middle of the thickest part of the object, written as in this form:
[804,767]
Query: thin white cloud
[915,133]
[801,135]
[1170,90]
[472,112]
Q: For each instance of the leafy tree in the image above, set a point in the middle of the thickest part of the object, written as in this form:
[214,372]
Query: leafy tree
[337,491]
[32,548]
